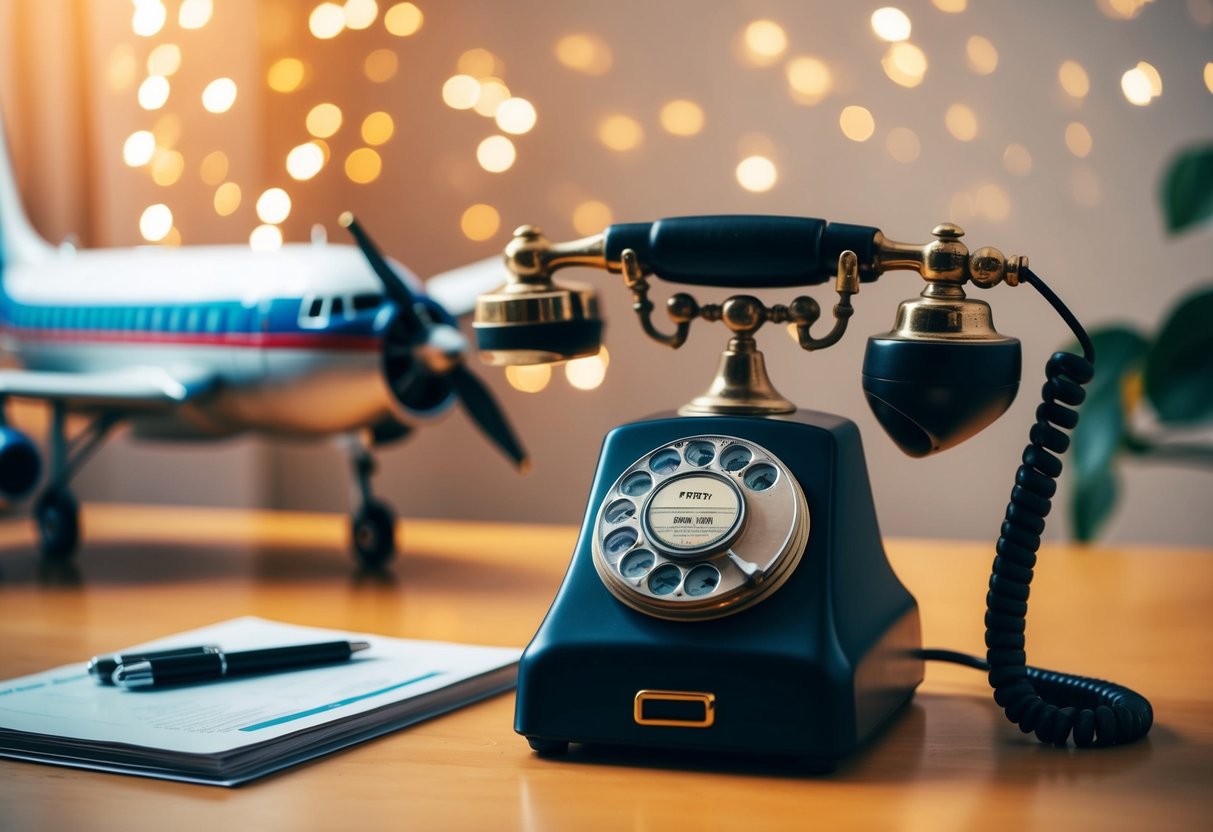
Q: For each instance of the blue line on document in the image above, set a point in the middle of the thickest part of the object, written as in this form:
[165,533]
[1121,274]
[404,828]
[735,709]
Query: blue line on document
[279,720]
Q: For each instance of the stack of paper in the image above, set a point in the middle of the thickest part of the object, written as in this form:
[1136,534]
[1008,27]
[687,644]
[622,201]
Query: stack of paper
[231,731]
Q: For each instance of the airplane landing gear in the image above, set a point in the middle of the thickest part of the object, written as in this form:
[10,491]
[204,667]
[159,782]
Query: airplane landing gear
[58,517]
[373,525]
[56,511]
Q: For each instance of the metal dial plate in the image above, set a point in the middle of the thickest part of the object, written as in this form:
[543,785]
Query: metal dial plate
[700,528]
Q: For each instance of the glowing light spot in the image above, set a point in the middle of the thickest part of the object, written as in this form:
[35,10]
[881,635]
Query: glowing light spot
[1078,139]
[172,238]
[227,199]
[363,166]
[1155,79]
[763,42]
[148,19]
[1073,79]
[1136,86]
[460,92]
[584,53]
[681,117]
[194,14]
[950,6]
[587,373]
[214,167]
[381,65]
[377,128]
[138,148]
[809,79]
[286,75]
[1209,77]
[496,154]
[304,161]
[480,222]
[167,129]
[1121,9]
[961,122]
[265,238]
[164,60]
[757,174]
[323,120]
[890,24]
[326,21]
[155,222]
[905,64]
[403,19]
[1201,11]
[620,132]
[167,167]
[1084,187]
[857,123]
[1016,160]
[120,69]
[993,202]
[360,14]
[516,115]
[219,95]
[493,93]
[591,217]
[480,63]
[981,55]
[153,92]
[528,378]
[903,144]
[273,206]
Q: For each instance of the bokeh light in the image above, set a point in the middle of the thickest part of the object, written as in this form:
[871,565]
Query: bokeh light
[360,14]
[363,166]
[324,120]
[138,148]
[905,64]
[809,79]
[1209,77]
[377,128]
[993,202]
[1141,84]
[1016,160]
[167,130]
[460,92]
[496,154]
[587,373]
[326,21]
[286,75]
[1078,139]
[528,378]
[480,63]
[585,53]
[273,206]
[381,65]
[219,95]
[480,222]
[403,19]
[591,217]
[214,167]
[961,122]
[757,174]
[1121,9]
[981,55]
[903,145]
[857,123]
[147,20]
[227,199]
[516,115]
[153,92]
[950,6]
[304,161]
[265,238]
[155,222]
[620,132]
[167,167]
[763,42]
[681,117]
[491,95]
[1073,79]
[121,68]
[890,24]
[164,60]
[194,14]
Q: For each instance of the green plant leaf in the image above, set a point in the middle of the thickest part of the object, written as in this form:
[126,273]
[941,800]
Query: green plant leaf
[1179,366]
[1187,188]
[1091,504]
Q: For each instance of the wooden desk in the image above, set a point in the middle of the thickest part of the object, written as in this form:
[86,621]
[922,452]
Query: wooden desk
[1140,616]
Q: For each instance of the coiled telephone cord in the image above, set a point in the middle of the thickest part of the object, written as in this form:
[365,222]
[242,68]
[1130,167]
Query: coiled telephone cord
[1058,707]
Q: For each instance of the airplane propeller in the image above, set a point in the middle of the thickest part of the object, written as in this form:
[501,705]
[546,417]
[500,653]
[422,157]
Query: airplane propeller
[424,354]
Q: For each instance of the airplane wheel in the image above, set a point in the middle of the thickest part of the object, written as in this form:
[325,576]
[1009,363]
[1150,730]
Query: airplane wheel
[374,532]
[58,516]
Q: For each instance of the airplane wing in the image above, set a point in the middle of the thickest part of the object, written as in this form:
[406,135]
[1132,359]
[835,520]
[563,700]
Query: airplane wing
[137,387]
[456,290]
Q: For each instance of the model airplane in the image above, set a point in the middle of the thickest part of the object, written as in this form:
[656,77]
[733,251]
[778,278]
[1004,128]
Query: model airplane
[206,342]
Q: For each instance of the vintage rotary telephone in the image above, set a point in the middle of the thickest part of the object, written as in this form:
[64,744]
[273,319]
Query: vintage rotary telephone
[729,590]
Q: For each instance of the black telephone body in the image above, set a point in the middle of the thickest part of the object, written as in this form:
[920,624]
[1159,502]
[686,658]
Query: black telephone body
[729,590]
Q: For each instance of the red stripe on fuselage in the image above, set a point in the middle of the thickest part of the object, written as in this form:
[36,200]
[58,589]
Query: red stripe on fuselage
[255,340]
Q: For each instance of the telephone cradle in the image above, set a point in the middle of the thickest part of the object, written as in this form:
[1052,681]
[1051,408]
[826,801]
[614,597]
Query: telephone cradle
[814,670]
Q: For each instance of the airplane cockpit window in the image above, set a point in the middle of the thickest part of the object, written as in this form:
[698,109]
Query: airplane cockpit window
[338,307]
[313,311]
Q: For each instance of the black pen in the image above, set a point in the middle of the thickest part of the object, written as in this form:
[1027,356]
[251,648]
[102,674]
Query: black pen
[205,667]
[102,668]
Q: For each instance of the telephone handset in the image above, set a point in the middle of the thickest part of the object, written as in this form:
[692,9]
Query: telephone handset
[729,589]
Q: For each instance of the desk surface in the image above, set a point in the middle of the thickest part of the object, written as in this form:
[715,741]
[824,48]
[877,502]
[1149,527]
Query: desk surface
[1140,616]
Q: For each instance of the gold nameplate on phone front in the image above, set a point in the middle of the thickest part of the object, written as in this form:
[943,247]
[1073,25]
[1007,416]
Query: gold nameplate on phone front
[674,708]
[700,528]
